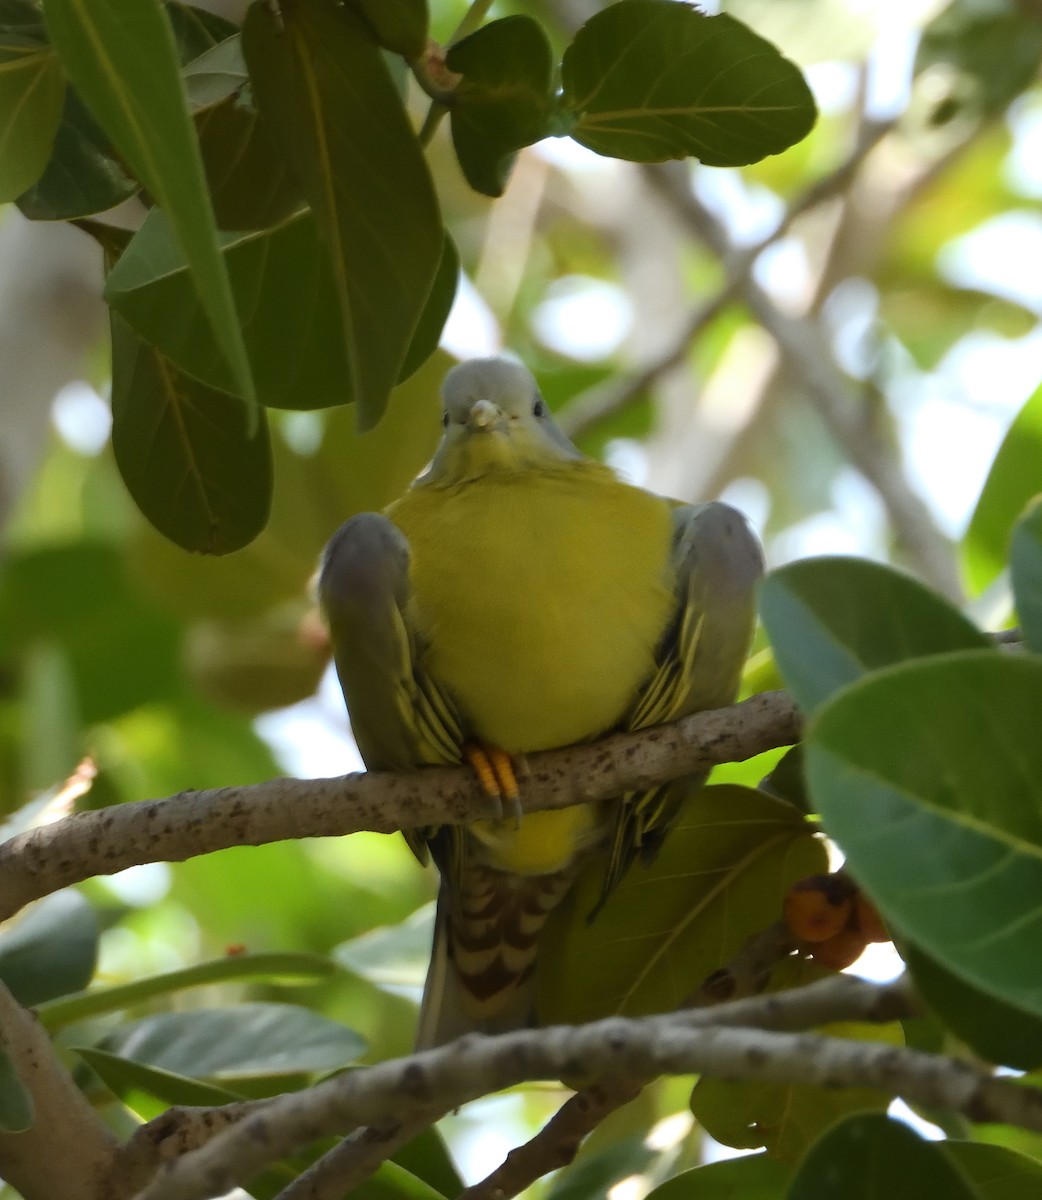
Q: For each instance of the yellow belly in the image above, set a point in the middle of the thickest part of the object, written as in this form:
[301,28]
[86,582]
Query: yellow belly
[542,597]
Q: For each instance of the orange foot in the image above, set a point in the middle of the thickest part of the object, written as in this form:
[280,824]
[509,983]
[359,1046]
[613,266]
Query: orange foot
[495,771]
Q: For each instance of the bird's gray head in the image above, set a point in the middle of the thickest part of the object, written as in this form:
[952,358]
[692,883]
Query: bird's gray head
[495,420]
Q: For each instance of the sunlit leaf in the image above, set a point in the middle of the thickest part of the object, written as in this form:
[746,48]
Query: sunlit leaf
[996,1173]
[830,620]
[184,451]
[82,176]
[32,86]
[929,776]
[1026,570]
[650,80]
[503,100]
[123,60]
[719,878]
[1014,479]
[870,1156]
[321,83]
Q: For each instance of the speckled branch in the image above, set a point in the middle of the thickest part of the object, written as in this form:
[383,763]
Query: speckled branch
[86,844]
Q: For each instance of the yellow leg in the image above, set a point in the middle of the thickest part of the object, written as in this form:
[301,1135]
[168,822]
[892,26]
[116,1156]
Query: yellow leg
[495,771]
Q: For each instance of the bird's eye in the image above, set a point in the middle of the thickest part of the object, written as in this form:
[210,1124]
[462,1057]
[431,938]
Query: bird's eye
[445,420]
[539,409]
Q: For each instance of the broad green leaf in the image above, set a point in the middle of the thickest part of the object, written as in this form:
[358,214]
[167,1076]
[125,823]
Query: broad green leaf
[350,472]
[1014,479]
[196,30]
[16,1105]
[138,1084]
[184,450]
[323,88]
[719,878]
[596,1173]
[870,1156]
[751,1177]
[82,176]
[392,956]
[650,80]
[238,1042]
[831,620]
[984,54]
[929,776]
[51,949]
[32,86]
[787,1118]
[1026,571]
[503,100]
[997,1032]
[428,1158]
[398,25]
[284,290]
[122,651]
[435,312]
[250,184]
[217,73]
[122,58]
[272,968]
[996,1172]
[394,1182]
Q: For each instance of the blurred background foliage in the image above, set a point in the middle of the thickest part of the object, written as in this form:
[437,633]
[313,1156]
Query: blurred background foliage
[838,339]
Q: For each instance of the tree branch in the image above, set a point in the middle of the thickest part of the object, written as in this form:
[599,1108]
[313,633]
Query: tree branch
[86,844]
[67,1152]
[703,1041]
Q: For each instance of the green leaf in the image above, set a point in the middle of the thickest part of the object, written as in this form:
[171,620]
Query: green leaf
[983,55]
[51,949]
[398,25]
[787,1118]
[122,58]
[998,1032]
[503,100]
[435,312]
[238,1042]
[131,1081]
[1026,571]
[272,968]
[184,451]
[832,619]
[997,1173]
[751,1177]
[428,1158]
[597,1172]
[392,956]
[868,1157]
[196,30]
[650,80]
[719,878]
[16,1105]
[929,776]
[1015,477]
[331,106]
[32,86]
[284,289]
[122,652]
[82,177]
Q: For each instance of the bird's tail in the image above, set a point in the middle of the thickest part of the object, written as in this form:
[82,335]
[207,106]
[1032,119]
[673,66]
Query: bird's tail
[484,957]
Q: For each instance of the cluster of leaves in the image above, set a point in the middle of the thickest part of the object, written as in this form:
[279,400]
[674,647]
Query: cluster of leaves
[294,255]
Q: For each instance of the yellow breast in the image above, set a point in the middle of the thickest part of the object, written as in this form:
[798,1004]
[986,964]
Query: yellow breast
[542,596]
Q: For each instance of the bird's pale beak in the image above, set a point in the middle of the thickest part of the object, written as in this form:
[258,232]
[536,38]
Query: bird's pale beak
[485,417]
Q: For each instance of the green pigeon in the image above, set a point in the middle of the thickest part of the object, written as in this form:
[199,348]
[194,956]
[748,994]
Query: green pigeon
[518,597]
